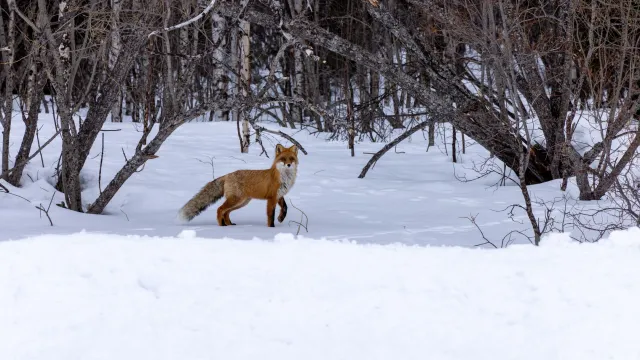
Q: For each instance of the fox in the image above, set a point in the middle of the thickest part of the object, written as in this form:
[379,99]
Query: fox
[241,186]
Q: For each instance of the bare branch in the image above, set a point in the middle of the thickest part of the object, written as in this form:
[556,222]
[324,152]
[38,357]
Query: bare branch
[280,133]
[185,23]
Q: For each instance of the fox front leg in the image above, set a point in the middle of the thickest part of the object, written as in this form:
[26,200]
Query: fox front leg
[271,212]
[283,209]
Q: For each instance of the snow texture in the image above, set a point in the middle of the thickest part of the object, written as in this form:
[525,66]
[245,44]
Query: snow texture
[103,296]
[411,195]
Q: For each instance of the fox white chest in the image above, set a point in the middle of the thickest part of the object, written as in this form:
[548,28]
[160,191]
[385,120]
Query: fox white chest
[287,179]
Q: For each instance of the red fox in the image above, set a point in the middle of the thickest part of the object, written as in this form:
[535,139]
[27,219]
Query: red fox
[240,186]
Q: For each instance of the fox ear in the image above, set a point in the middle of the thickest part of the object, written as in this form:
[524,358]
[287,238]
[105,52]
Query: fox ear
[279,149]
[294,148]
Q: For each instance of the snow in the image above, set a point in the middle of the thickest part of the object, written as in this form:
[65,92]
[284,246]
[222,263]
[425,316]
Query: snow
[410,196]
[104,296]
[386,267]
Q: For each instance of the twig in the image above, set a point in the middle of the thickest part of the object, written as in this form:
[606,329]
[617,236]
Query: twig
[259,141]
[125,214]
[303,217]
[213,174]
[46,212]
[39,146]
[486,241]
[280,133]
[35,153]
[6,191]
[100,170]
[190,21]
[233,157]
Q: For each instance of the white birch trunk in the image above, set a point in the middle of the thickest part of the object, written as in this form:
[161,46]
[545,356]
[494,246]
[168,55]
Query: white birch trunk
[297,80]
[218,28]
[245,74]
[233,85]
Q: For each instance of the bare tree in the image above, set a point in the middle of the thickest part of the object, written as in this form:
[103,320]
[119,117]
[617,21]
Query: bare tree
[8,56]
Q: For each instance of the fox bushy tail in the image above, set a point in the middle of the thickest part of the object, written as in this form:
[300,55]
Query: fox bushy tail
[207,196]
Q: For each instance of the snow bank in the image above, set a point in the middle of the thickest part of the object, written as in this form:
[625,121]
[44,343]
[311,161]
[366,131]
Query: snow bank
[97,296]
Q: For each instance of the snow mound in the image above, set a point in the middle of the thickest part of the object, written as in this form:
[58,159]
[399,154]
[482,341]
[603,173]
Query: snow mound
[100,296]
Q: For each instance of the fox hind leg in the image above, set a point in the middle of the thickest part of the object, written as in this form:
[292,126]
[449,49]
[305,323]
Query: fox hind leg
[222,215]
[237,206]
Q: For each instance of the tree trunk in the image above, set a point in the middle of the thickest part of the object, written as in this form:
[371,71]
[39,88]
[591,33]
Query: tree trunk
[218,29]
[116,109]
[453,145]
[114,52]
[35,85]
[432,134]
[7,103]
[245,75]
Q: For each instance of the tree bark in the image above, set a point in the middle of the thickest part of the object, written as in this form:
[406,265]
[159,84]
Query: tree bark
[245,78]
[391,145]
[7,103]
[35,85]
[218,30]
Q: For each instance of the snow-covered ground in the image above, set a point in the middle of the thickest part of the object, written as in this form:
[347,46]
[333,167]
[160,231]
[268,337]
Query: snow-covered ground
[136,284]
[101,296]
[411,196]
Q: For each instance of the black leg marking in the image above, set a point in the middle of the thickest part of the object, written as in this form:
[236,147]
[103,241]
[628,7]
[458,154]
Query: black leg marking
[283,210]
[223,223]
[272,218]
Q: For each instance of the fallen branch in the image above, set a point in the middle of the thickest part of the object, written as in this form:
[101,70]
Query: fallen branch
[391,145]
[6,191]
[280,133]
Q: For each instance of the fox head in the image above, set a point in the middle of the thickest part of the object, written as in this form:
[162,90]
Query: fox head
[286,158]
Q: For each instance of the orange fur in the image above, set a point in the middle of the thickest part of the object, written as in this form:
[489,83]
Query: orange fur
[241,186]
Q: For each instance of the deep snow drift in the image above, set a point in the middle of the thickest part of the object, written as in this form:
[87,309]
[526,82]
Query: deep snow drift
[91,296]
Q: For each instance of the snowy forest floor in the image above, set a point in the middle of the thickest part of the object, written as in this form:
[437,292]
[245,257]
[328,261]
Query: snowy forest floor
[410,196]
[99,296]
[136,284]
